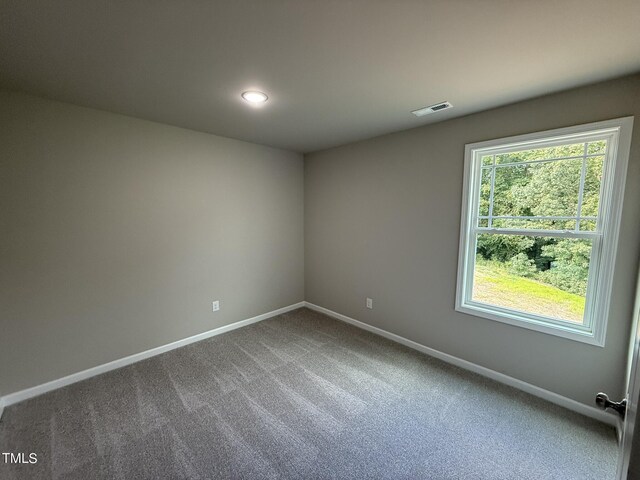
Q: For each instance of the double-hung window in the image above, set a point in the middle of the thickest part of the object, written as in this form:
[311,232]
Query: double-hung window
[540,221]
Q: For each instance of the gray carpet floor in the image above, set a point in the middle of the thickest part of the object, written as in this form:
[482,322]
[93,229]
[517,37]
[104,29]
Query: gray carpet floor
[300,396]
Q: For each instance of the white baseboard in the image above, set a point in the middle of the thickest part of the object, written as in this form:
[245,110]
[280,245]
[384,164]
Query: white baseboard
[123,362]
[552,397]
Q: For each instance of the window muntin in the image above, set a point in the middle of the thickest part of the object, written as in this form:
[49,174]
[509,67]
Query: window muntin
[559,191]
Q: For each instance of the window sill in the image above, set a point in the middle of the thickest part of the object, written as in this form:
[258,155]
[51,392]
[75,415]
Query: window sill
[512,318]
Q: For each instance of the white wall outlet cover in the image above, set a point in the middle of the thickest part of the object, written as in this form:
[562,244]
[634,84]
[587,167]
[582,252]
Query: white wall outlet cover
[369,303]
[215,305]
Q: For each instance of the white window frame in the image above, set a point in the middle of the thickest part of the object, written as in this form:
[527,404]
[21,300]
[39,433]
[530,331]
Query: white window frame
[605,237]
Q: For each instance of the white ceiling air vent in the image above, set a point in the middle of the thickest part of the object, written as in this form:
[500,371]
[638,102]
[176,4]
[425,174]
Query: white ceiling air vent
[432,109]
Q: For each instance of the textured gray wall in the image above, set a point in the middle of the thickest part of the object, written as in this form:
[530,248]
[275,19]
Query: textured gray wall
[382,219]
[117,233]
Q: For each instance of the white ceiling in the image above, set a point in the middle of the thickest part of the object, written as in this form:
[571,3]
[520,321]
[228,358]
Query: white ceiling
[335,70]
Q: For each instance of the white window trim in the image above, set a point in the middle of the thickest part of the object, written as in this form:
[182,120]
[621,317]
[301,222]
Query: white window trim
[604,245]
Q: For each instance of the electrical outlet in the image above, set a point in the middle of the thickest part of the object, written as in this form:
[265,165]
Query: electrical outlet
[216,305]
[369,303]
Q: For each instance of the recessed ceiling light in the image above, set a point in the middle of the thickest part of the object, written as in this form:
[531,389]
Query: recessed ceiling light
[254,96]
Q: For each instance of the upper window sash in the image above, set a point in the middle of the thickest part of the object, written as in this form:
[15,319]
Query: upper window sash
[586,139]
